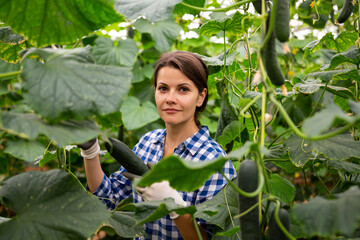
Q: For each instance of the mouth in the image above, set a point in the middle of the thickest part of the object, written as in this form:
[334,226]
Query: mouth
[171,110]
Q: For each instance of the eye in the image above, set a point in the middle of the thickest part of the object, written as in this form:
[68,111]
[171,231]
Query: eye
[184,89]
[162,88]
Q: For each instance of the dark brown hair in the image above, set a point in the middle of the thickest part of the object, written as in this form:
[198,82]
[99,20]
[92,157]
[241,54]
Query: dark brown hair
[192,66]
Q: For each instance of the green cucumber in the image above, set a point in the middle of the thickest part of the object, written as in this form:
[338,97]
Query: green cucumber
[126,157]
[282,20]
[271,64]
[227,113]
[248,181]
[257,5]
[275,232]
[346,11]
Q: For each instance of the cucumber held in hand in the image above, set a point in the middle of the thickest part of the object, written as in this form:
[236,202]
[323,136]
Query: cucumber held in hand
[248,182]
[275,232]
[346,10]
[126,157]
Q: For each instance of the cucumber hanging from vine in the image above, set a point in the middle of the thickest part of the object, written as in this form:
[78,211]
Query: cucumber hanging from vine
[346,10]
[275,232]
[248,182]
[269,57]
[257,5]
[282,20]
[227,114]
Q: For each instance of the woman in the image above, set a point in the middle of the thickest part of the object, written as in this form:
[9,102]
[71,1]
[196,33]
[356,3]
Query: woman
[181,92]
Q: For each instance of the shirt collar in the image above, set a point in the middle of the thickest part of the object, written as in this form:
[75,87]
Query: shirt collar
[159,137]
[193,143]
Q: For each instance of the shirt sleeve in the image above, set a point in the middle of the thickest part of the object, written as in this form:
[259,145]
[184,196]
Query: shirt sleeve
[113,189]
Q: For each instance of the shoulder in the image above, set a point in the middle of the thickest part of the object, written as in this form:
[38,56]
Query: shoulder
[153,135]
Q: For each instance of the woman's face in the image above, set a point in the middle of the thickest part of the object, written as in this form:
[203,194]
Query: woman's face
[177,97]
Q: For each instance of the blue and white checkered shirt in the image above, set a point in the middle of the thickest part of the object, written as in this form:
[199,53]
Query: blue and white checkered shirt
[150,148]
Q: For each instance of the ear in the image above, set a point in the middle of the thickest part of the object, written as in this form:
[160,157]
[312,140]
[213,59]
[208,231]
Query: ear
[201,97]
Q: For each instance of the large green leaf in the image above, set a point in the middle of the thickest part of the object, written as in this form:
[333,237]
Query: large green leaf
[163,33]
[282,188]
[233,24]
[69,86]
[149,211]
[341,74]
[57,22]
[215,63]
[311,86]
[323,120]
[8,67]
[339,147]
[154,10]
[136,115]
[347,167]
[323,217]
[140,73]
[348,74]
[24,149]
[350,56]
[124,224]
[218,209]
[50,205]
[118,53]
[30,126]
[340,43]
[181,9]
[355,107]
[230,133]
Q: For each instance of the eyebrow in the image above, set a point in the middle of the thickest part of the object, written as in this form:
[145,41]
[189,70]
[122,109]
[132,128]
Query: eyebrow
[180,85]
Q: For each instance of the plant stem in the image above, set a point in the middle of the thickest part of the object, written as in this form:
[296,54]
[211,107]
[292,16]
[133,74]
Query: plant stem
[282,134]
[322,182]
[234,86]
[247,194]
[196,227]
[217,9]
[228,209]
[330,193]
[263,111]
[242,112]
[318,101]
[251,208]
[306,185]
[249,58]
[281,226]
[58,154]
[302,135]
[271,26]
[224,71]
[9,74]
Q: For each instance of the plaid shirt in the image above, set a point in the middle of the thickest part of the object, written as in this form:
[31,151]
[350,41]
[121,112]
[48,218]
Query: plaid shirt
[150,148]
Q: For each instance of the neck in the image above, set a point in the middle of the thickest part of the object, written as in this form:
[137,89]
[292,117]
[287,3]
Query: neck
[176,134]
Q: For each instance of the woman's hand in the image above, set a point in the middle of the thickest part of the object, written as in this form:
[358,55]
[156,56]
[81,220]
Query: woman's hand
[90,149]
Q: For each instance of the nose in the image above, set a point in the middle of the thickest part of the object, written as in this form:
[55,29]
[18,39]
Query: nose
[171,97]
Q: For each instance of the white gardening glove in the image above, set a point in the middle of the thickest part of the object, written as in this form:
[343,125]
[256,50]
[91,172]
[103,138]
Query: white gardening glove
[160,191]
[90,149]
